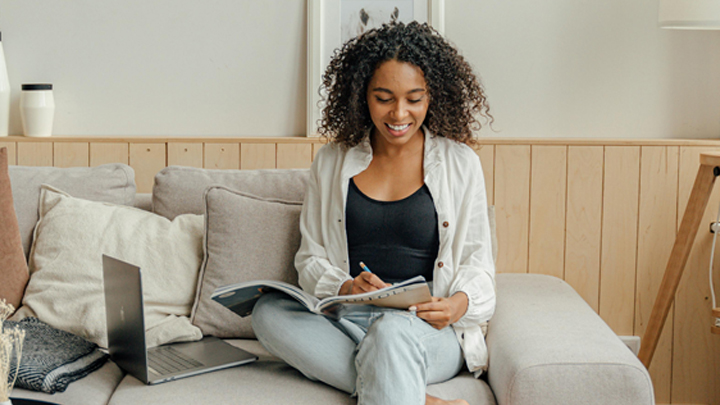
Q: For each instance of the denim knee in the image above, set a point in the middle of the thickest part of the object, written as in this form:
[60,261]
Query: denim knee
[391,330]
[389,326]
[266,312]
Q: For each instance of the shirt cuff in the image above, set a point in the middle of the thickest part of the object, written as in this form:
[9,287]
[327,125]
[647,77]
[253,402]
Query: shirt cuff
[330,283]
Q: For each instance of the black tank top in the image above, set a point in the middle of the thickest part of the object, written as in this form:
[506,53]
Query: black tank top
[397,240]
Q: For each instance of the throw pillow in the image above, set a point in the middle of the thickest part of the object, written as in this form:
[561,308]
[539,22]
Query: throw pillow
[246,238]
[66,288]
[179,190]
[113,183]
[13,268]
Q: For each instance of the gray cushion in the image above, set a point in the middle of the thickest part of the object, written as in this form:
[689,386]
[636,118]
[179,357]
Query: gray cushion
[246,238]
[547,346]
[179,190]
[96,388]
[113,183]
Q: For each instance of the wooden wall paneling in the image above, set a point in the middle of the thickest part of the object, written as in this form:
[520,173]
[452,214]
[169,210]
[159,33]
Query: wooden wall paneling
[35,153]
[294,155]
[547,210]
[657,226]
[12,151]
[109,152]
[487,159]
[71,154]
[512,207]
[685,370]
[257,155]
[619,237]
[185,154]
[696,351]
[147,159]
[584,221]
[222,156]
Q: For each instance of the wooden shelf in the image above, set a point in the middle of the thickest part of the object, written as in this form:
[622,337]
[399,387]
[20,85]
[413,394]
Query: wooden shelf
[302,139]
[156,139]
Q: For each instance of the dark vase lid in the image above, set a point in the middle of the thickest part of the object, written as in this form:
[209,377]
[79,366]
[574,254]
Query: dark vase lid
[37,86]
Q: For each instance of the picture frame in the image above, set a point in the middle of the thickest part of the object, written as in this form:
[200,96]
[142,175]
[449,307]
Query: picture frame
[325,33]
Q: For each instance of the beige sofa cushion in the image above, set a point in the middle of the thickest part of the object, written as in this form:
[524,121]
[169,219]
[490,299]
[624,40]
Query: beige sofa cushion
[246,238]
[179,190]
[113,183]
[66,289]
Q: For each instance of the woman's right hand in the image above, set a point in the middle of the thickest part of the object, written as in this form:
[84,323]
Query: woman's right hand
[364,282]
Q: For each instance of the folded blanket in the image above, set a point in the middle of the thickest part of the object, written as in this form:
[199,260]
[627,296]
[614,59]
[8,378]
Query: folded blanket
[52,359]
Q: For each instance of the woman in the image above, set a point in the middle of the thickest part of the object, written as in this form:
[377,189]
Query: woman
[398,188]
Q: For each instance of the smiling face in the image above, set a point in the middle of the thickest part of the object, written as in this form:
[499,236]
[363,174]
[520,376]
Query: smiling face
[398,102]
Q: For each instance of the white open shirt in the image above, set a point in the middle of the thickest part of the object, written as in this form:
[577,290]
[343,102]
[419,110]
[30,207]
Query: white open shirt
[454,176]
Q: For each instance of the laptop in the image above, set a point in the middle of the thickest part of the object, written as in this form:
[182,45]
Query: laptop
[124,309]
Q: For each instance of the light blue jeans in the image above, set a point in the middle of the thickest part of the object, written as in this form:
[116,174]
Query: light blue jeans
[384,356]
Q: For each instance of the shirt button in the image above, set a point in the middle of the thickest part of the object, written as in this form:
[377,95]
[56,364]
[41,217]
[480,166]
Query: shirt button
[446,224]
[440,264]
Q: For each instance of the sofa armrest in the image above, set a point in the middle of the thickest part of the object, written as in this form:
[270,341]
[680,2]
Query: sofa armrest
[547,346]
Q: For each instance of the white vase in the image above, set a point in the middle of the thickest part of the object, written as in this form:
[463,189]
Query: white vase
[37,109]
[8,402]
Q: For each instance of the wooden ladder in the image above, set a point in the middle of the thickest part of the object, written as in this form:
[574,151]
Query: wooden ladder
[699,197]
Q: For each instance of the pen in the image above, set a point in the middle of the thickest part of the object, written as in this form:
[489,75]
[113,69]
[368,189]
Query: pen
[364,267]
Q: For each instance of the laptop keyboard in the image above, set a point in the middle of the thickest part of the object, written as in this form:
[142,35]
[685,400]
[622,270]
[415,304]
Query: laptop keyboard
[167,360]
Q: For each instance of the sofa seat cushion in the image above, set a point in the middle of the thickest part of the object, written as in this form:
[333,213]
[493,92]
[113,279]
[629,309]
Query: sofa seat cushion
[179,190]
[112,183]
[262,382]
[95,389]
[464,386]
[270,381]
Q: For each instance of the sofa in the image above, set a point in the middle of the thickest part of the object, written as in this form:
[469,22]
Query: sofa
[546,345]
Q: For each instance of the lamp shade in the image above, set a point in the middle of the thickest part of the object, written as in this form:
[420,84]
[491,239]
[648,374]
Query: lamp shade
[690,14]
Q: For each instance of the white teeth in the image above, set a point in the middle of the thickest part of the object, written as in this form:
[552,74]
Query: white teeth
[398,127]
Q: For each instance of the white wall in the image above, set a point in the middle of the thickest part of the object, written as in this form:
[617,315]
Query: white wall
[590,68]
[557,68]
[161,67]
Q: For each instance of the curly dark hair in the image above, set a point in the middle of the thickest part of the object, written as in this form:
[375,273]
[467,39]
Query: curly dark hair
[456,95]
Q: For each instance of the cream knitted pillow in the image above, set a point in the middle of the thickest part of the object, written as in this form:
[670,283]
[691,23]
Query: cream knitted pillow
[66,288]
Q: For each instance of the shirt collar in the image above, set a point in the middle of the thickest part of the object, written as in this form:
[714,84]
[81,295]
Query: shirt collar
[358,157]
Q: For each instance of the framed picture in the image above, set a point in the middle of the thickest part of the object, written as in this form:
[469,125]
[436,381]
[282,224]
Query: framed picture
[331,23]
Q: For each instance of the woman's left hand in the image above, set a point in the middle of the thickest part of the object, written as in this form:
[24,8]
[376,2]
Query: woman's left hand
[441,312]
